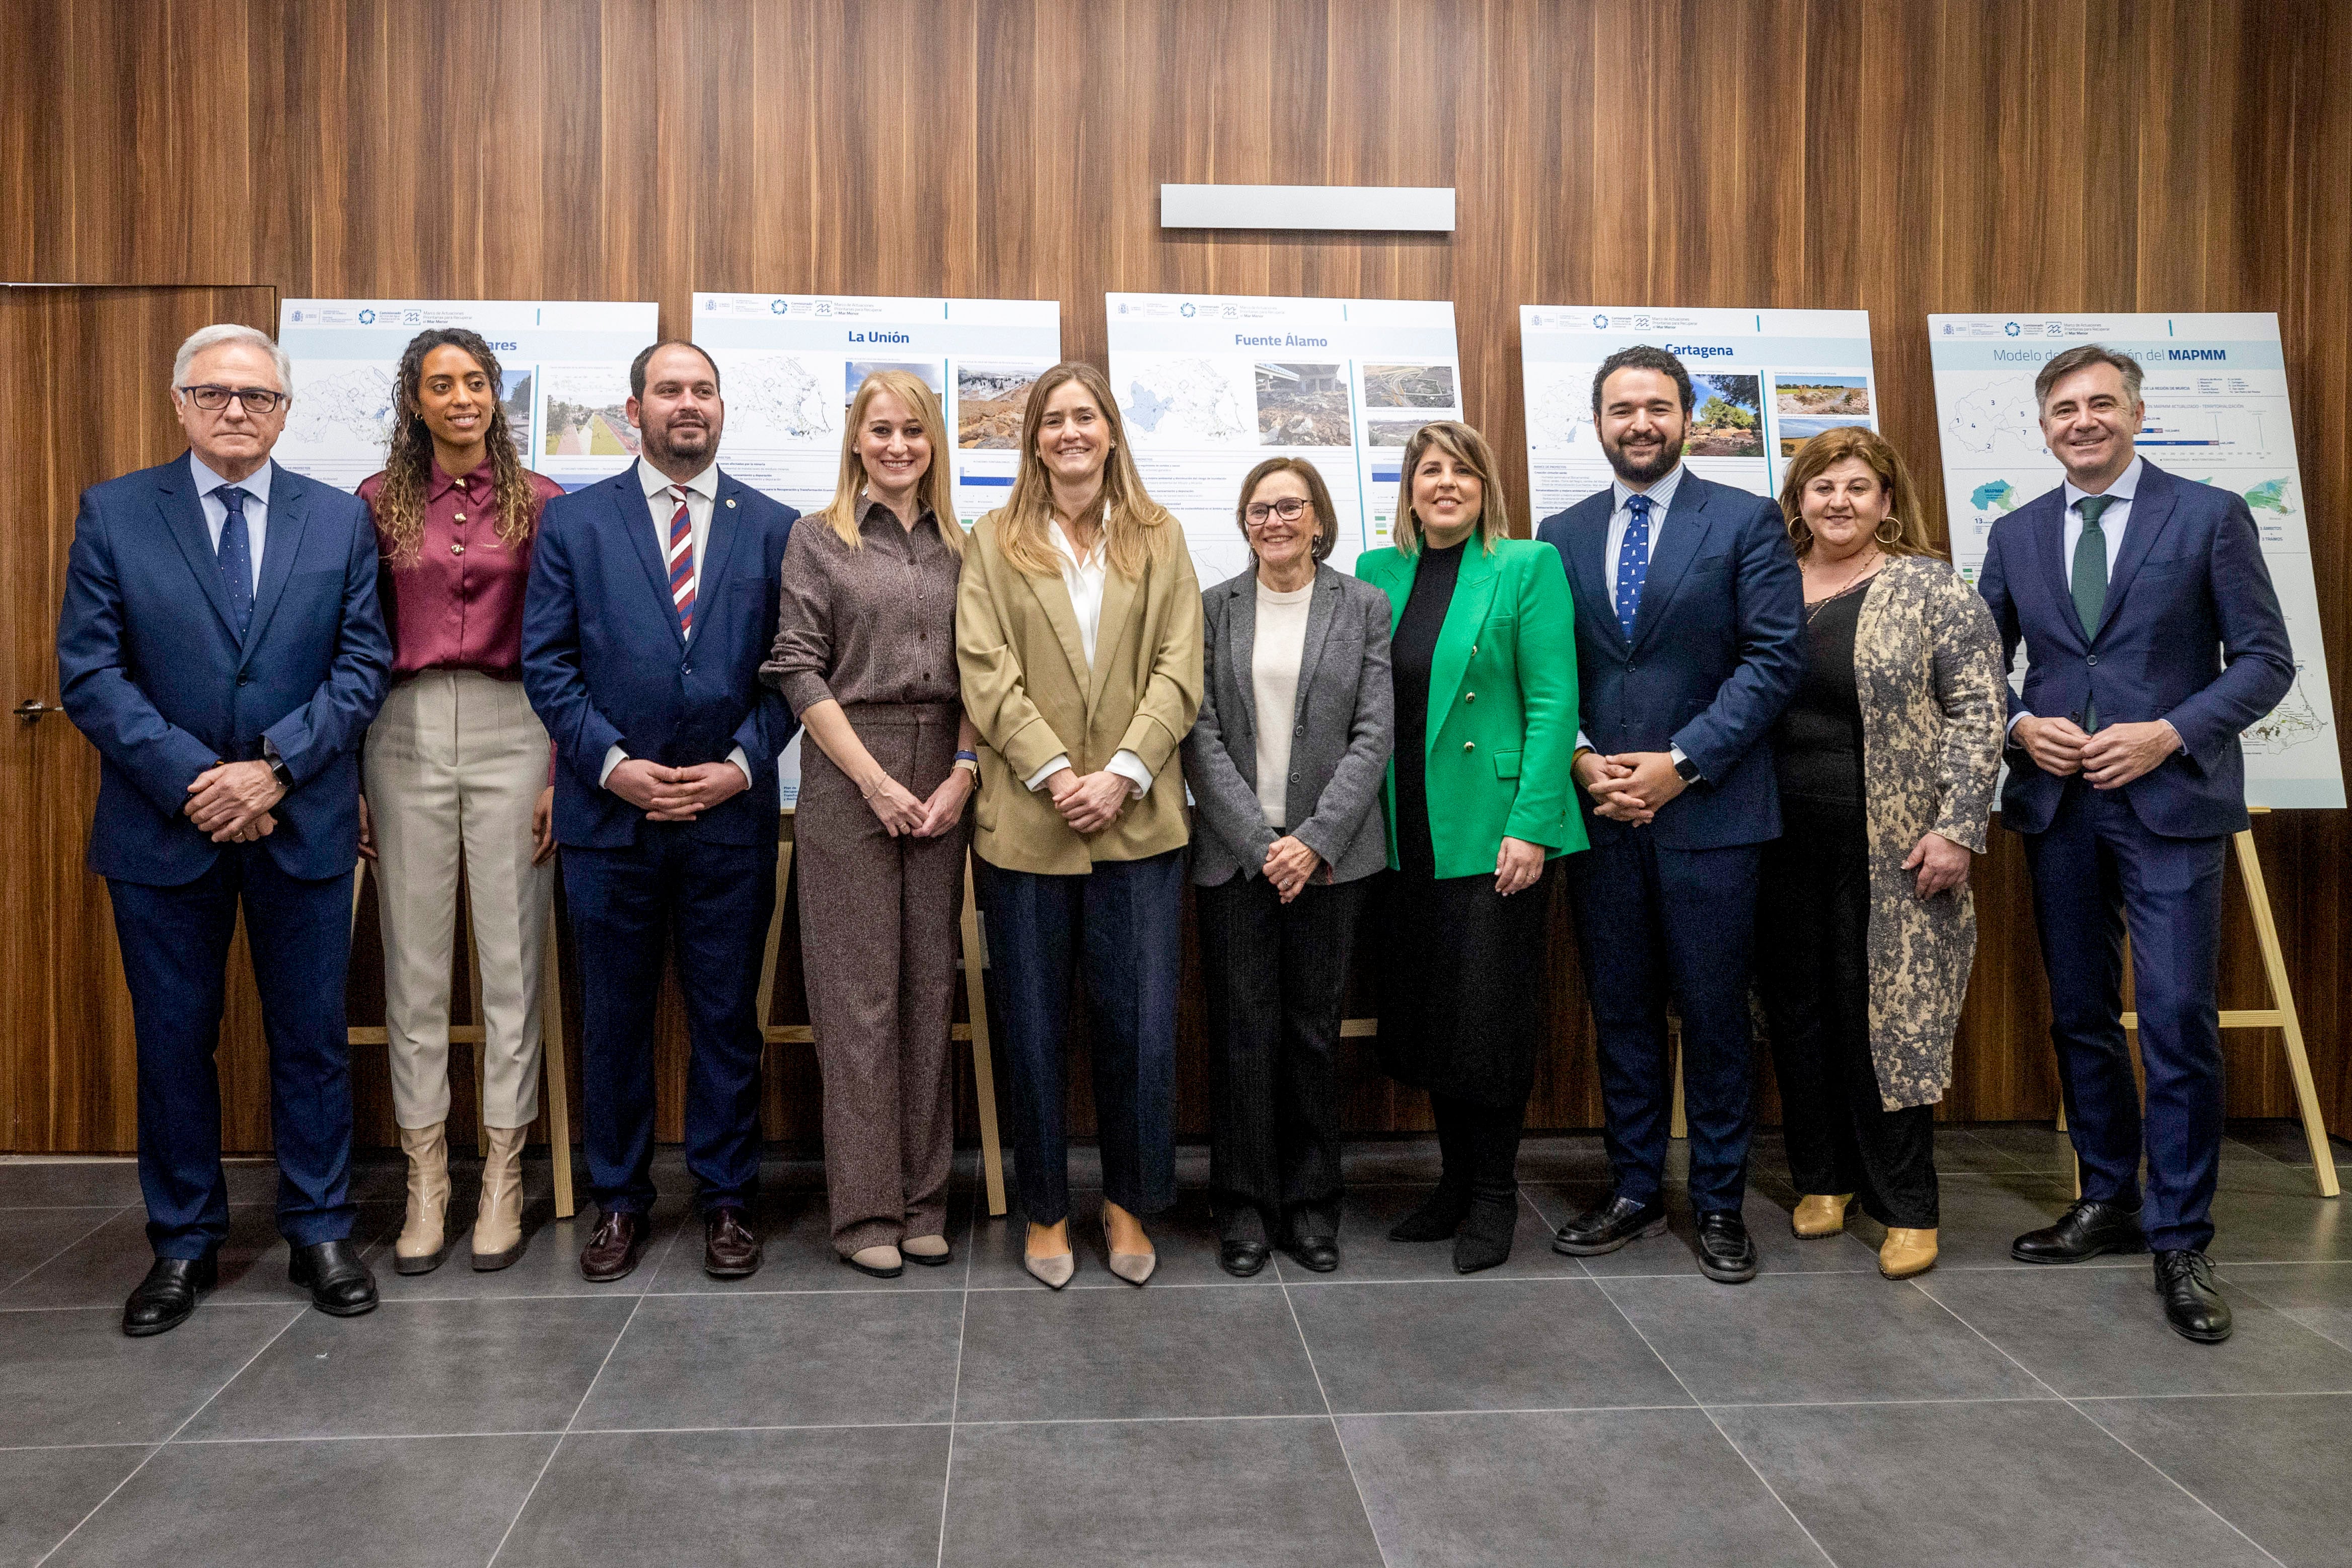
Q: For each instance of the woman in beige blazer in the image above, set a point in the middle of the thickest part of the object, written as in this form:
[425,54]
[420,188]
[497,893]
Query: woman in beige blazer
[1079,640]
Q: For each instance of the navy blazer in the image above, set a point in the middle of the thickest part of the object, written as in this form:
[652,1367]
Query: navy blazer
[2191,631]
[606,662]
[1717,649]
[151,670]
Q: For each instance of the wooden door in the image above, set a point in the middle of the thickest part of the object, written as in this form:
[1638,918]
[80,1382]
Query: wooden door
[85,397]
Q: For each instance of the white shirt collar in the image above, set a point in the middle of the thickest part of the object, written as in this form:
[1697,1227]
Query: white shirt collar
[704,484]
[2125,487]
[1662,494]
[1094,557]
[256,485]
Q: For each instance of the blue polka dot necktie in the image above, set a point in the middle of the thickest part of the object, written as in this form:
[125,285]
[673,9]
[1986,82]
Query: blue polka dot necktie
[237,558]
[1633,562]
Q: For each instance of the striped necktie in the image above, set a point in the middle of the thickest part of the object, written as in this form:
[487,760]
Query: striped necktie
[681,560]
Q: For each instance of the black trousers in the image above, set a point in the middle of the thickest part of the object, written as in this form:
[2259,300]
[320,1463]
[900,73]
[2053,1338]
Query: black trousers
[1276,976]
[1813,961]
[1479,1144]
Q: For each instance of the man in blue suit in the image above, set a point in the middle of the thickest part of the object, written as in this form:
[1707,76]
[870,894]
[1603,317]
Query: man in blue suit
[2152,637]
[652,602]
[1690,642]
[220,644]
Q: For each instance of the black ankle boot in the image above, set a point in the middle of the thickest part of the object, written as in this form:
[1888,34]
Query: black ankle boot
[1486,1237]
[1438,1217]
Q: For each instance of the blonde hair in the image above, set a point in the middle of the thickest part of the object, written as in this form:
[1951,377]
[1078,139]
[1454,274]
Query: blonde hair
[935,490]
[1468,447]
[1833,446]
[1136,527]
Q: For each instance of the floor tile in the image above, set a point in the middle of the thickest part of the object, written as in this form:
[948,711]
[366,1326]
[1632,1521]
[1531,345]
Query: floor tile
[1814,1337]
[796,1251]
[106,1265]
[842,1499]
[1960,1151]
[2290,1226]
[1599,1487]
[1173,1494]
[2317,1295]
[1778,1250]
[2032,1145]
[1366,1253]
[2022,1484]
[2093,1331]
[73,1376]
[2278,1467]
[31,1237]
[44,1492]
[2281,1138]
[421,1367]
[396,1502]
[781,1361]
[1093,1354]
[1185,1238]
[68,1183]
[1478,1344]
[1982,1215]
[549,1264]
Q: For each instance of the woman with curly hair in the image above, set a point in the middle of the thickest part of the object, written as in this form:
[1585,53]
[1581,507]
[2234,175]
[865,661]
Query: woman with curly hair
[457,761]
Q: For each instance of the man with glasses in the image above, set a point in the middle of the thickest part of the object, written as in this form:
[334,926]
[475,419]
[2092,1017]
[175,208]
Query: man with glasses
[220,644]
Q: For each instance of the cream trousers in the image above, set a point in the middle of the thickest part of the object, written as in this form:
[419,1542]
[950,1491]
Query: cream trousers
[456,761]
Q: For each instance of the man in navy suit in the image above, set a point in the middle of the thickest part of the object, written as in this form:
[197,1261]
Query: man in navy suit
[1690,642]
[652,602]
[2152,637]
[220,644]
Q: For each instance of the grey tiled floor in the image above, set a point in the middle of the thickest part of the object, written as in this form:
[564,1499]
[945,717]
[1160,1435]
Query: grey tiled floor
[1621,1410]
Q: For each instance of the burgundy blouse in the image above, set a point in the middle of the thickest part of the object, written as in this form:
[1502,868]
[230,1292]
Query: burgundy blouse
[459,605]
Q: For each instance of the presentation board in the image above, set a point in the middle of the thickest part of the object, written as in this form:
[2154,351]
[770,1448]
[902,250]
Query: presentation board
[2215,387]
[1211,385]
[1763,383]
[789,364]
[564,367]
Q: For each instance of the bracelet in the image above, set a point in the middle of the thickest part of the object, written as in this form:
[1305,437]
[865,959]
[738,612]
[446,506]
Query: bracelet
[968,761]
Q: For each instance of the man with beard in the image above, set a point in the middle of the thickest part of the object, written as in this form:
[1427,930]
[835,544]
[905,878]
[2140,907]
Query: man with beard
[1690,642]
[652,602]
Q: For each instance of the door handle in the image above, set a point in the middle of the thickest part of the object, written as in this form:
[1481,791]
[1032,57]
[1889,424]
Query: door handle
[33,708]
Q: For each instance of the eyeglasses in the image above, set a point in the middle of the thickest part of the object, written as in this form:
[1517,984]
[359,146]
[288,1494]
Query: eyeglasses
[1289,509]
[213,399]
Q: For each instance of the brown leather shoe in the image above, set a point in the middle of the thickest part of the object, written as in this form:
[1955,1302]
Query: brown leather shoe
[614,1251]
[729,1249]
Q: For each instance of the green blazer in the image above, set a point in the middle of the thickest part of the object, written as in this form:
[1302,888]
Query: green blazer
[1502,705]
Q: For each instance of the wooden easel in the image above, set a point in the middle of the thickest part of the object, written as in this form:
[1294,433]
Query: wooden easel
[2281,1016]
[551,1031]
[975,990]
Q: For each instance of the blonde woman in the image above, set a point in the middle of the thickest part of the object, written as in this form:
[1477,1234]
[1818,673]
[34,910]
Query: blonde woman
[457,760]
[1079,633]
[866,654]
[1886,760]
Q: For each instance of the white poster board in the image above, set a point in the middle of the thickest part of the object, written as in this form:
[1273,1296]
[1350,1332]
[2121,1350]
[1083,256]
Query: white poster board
[563,363]
[1763,383]
[1210,385]
[2215,386]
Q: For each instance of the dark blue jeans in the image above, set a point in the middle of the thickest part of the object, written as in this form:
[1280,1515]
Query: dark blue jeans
[175,943]
[1125,920]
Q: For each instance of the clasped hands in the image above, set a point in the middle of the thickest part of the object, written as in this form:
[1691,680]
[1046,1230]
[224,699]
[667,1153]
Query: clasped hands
[1089,802]
[675,794]
[1630,787]
[902,815]
[2110,759]
[231,802]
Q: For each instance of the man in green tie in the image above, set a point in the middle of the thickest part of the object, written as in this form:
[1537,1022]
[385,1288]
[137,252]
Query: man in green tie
[2153,637]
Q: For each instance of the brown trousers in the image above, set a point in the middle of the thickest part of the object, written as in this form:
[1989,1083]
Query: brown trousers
[879,926]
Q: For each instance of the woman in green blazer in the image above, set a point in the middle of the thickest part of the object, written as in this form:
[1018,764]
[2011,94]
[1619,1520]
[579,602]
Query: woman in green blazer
[1484,660]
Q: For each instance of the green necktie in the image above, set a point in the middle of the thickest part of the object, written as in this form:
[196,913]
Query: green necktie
[2091,581]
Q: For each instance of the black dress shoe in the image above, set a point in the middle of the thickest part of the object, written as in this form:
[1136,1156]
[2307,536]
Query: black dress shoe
[612,1253]
[1726,1253]
[168,1295]
[1321,1253]
[2191,1305]
[1485,1242]
[1242,1259]
[2084,1231]
[339,1283]
[1609,1226]
[730,1249]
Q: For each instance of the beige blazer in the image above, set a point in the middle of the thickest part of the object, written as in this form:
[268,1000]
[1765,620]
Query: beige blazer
[1028,691]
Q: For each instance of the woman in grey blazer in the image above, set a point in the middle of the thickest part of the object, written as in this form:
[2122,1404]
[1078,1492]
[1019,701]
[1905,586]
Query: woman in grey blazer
[1286,766]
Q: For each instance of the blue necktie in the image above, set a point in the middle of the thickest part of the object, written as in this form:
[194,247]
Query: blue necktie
[237,558]
[1633,562]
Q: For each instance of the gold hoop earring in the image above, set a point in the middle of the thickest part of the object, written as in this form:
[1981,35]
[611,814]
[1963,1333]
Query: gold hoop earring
[1879,533]
[1798,532]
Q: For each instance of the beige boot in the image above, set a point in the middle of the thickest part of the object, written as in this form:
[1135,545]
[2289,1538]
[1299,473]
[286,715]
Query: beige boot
[497,1223]
[1907,1252]
[1820,1214]
[419,1250]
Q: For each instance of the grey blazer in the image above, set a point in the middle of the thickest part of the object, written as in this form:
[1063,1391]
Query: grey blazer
[1342,733]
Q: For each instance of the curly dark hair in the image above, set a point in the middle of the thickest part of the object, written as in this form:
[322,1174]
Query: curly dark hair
[409,462]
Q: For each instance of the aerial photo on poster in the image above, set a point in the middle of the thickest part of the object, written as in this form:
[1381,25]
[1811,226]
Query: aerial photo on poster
[990,397]
[1302,405]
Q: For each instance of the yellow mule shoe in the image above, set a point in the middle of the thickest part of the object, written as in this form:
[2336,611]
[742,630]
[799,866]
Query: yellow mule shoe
[1818,1214]
[1907,1252]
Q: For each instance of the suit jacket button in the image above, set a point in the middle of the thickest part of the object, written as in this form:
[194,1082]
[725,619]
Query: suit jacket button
[243,677]
[685,669]
[1300,730]
[1294,779]
[2091,660]
[1469,696]
[1474,650]
[1469,746]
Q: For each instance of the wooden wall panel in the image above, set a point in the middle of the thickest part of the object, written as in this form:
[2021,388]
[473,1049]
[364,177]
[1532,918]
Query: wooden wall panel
[1901,156]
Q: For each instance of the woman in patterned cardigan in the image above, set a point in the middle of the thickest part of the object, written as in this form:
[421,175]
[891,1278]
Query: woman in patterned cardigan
[1887,759]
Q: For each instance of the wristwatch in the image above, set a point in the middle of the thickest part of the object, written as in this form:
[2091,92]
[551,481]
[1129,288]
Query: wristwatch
[1684,768]
[968,760]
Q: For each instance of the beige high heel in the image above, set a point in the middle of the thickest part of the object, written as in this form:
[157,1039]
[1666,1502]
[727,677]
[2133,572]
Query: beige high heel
[1134,1267]
[424,1229]
[498,1221]
[1818,1214]
[1052,1270]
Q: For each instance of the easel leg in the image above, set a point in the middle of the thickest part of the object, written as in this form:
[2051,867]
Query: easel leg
[983,1070]
[775,934]
[2306,1093]
[1680,1126]
[558,1075]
